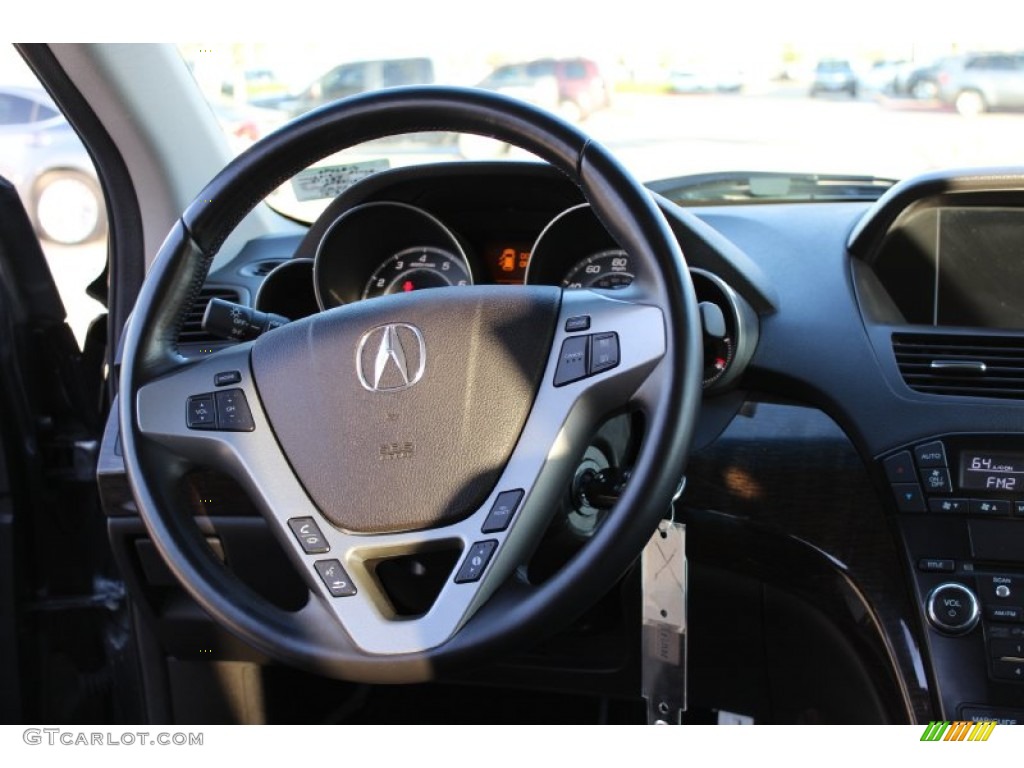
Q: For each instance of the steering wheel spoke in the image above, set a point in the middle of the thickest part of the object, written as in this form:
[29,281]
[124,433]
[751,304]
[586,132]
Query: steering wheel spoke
[602,350]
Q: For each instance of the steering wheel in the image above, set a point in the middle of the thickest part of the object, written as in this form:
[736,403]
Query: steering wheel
[434,420]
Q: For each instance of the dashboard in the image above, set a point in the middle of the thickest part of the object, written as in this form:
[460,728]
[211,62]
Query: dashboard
[860,454]
[498,224]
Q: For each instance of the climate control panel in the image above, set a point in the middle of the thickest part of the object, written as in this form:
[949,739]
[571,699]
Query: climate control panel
[976,475]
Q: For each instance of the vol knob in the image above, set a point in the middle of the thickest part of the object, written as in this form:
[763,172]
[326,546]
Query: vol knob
[952,608]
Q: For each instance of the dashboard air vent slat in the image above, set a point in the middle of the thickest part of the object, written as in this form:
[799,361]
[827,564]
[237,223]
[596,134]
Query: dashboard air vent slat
[192,329]
[970,366]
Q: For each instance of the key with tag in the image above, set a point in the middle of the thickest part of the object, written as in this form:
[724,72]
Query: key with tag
[663,567]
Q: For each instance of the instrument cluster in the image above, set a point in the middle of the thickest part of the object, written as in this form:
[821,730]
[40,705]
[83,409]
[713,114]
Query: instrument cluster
[384,247]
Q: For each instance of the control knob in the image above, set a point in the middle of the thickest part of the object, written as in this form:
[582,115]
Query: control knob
[952,608]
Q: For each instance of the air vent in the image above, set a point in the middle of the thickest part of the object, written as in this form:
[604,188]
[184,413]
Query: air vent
[261,268]
[192,330]
[971,366]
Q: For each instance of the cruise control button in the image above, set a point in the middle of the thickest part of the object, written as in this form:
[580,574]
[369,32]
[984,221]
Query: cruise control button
[334,577]
[201,413]
[931,455]
[572,360]
[951,506]
[900,468]
[309,536]
[501,513]
[989,507]
[476,561]
[908,497]
[936,480]
[604,352]
[233,411]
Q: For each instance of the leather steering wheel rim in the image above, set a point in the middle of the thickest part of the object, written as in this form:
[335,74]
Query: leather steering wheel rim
[515,613]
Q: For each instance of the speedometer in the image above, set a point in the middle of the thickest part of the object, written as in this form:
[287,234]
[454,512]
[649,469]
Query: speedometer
[607,269]
[414,269]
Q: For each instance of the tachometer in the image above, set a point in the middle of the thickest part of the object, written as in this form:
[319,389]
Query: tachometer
[414,269]
[607,269]
[386,247]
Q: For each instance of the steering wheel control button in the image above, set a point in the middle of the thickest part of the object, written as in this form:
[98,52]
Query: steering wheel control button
[577,324]
[233,413]
[224,378]
[936,480]
[952,608]
[990,507]
[476,562]
[931,455]
[900,468]
[949,506]
[936,565]
[201,412]
[1008,614]
[908,497]
[572,360]
[335,579]
[604,352]
[309,536]
[501,513]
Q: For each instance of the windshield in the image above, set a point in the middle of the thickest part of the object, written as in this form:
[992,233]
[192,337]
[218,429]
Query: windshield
[880,91]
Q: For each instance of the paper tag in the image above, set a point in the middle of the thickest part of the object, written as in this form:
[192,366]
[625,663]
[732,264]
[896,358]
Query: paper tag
[663,566]
[328,181]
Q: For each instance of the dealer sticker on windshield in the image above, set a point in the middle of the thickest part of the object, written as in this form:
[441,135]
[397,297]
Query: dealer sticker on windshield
[328,181]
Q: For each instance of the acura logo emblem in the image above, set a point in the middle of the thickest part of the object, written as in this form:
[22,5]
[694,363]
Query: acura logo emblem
[391,357]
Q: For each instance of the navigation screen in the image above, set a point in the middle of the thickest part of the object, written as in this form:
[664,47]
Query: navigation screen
[991,471]
[980,262]
[958,266]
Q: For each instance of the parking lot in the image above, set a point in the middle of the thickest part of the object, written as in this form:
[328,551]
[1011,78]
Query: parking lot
[779,127]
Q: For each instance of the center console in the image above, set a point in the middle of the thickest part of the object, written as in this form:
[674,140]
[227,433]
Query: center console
[959,501]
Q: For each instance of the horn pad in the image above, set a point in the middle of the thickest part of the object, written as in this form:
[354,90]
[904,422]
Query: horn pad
[400,413]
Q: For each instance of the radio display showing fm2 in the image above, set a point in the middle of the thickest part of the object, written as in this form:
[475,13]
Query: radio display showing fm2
[992,471]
